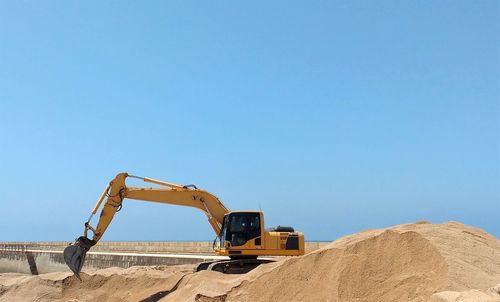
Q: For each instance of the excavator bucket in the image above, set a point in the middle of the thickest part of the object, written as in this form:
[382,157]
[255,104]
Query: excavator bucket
[74,254]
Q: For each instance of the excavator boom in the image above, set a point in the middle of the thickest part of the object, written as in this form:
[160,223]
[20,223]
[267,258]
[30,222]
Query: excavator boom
[117,191]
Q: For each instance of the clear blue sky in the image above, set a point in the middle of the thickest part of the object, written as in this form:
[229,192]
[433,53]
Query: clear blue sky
[332,116]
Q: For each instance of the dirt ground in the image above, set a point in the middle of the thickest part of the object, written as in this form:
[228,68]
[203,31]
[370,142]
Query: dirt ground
[411,262]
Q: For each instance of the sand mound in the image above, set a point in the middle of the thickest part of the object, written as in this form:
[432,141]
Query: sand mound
[403,263]
[489,295]
[386,267]
[114,284]
[412,262]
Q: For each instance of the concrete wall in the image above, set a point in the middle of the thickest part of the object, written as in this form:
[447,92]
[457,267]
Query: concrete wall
[168,247]
[49,258]
[18,263]
[52,261]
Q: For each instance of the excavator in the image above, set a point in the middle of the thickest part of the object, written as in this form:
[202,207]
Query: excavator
[240,235]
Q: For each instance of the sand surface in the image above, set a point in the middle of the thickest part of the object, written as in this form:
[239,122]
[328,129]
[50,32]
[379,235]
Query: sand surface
[411,262]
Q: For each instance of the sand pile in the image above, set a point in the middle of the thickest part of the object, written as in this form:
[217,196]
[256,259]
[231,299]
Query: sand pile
[404,263]
[412,262]
[113,284]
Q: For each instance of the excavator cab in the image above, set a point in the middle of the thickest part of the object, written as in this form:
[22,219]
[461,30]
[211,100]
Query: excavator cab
[238,228]
[243,236]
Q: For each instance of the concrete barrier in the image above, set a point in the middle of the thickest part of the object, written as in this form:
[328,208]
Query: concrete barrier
[45,257]
[169,247]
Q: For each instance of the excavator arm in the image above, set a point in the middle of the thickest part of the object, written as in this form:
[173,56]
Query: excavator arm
[117,191]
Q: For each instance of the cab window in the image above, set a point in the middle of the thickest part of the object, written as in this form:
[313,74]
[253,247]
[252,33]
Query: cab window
[242,227]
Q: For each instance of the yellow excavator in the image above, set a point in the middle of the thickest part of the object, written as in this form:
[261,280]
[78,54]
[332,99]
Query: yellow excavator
[240,234]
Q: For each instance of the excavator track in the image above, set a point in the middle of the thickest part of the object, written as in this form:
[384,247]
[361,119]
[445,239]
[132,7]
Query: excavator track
[233,266]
